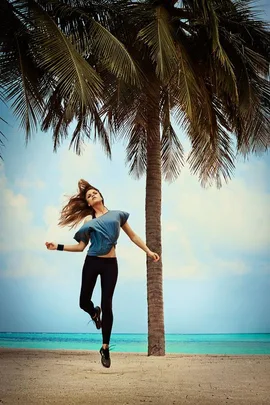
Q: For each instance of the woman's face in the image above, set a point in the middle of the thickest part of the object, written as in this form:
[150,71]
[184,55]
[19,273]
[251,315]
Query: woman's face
[92,197]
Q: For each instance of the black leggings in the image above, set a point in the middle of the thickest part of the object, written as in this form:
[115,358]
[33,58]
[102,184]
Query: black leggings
[108,270]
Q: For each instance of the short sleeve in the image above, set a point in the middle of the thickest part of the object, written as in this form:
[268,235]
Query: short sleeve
[123,217]
[82,236]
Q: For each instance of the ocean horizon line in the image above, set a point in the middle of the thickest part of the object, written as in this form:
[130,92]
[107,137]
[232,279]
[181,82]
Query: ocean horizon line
[145,333]
[200,343]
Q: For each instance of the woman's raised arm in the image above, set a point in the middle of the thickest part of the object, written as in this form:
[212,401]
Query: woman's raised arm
[79,247]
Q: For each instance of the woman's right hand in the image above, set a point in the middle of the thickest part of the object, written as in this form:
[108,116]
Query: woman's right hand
[51,245]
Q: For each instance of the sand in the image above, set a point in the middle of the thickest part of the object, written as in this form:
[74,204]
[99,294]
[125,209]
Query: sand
[77,377]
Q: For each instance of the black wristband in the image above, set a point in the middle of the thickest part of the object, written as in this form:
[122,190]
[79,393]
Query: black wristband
[60,247]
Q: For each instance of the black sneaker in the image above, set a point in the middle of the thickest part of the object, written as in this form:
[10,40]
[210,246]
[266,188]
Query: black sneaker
[97,320]
[105,357]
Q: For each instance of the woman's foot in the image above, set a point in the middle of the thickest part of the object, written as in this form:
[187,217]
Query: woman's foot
[105,357]
[96,318]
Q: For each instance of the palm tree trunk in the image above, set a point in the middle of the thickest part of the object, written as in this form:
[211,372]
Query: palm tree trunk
[156,339]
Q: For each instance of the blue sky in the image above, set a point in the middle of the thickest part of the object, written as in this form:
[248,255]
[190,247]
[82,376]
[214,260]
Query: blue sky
[216,258]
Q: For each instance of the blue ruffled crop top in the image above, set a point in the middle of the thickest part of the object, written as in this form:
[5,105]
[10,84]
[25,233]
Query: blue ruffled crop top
[102,231]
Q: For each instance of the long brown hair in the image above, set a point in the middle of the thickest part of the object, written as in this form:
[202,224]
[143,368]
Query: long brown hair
[77,208]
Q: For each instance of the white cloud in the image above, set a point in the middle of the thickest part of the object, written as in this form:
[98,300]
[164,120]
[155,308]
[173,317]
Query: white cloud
[169,226]
[183,264]
[54,232]
[204,268]
[27,266]
[131,261]
[237,217]
[26,183]
[232,266]
[18,231]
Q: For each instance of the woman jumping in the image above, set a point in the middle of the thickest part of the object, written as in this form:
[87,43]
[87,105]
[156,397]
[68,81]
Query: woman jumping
[102,227]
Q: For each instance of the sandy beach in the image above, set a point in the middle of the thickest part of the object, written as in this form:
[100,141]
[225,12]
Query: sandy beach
[77,377]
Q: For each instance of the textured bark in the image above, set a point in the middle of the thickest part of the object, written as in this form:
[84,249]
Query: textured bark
[156,339]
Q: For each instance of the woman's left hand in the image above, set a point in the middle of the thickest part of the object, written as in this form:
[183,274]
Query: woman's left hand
[153,255]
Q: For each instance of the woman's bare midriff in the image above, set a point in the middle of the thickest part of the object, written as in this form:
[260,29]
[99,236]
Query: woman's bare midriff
[111,253]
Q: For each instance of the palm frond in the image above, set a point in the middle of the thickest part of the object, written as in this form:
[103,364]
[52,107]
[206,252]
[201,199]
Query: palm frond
[125,110]
[172,152]
[157,35]
[78,82]
[246,39]
[112,54]
[57,117]
[22,83]
[211,21]
[256,124]
[88,27]
[185,82]
[2,119]
[137,150]
[241,19]
[209,163]
[2,145]
[100,131]
[121,103]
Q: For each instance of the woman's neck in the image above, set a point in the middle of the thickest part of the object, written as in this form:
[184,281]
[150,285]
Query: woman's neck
[100,210]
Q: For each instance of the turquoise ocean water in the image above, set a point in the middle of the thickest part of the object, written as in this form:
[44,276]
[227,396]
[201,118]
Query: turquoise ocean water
[175,343]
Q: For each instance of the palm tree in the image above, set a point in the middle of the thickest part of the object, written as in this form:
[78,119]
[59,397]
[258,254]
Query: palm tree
[206,63]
